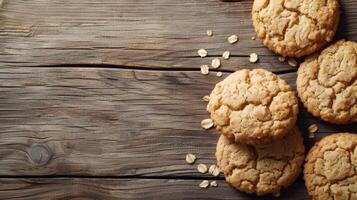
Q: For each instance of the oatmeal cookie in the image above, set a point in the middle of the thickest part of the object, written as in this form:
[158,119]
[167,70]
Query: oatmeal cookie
[327,83]
[253,106]
[264,169]
[331,168]
[295,28]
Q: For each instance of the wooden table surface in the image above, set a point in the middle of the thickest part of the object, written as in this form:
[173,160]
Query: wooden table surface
[101,99]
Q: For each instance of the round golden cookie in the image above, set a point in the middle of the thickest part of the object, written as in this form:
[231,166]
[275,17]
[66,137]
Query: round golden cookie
[253,106]
[295,28]
[262,169]
[327,83]
[330,170]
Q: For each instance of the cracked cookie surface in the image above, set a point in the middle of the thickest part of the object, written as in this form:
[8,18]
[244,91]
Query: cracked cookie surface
[295,28]
[264,169]
[327,83]
[330,170]
[253,106]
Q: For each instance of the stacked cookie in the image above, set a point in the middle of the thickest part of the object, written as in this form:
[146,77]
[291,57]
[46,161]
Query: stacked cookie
[260,150]
[326,81]
[330,168]
[327,86]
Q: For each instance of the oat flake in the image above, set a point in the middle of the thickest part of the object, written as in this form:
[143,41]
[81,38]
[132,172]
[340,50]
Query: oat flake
[232,39]
[214,170]
[204,184]
[226,55]
[214,184]
[281,59]
[253,58]
[204,69]
[207,123]
[216,63]
[313,128]
[202,168]
[205,98]
[202,53]
[190,158]
[292,62]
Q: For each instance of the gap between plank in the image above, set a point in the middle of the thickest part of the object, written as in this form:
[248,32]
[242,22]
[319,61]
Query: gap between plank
[112,177]
[138,68]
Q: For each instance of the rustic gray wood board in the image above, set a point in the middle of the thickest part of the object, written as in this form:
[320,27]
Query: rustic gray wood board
[152,34]
[108,122]
[102,99]
[105,188]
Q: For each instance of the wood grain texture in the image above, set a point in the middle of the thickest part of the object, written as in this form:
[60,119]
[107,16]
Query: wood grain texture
[91,188]
[161,33]
[65,111]
[109,122]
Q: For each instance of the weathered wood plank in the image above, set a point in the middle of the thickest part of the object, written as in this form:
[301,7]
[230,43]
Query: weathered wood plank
[91,188]
[91,121]
[160,33]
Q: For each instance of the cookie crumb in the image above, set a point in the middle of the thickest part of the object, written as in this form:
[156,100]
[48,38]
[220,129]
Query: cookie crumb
[253,58]
[232,39]
[292,62]
[281,59]
[219,74]
[204,184]
[277,194]
[226,55]
[214,184]
[214,170]
[205,98]
[209,33]
[202,168]
[202,53]
[204,69]
[190,158]
[216,63]
[207,123]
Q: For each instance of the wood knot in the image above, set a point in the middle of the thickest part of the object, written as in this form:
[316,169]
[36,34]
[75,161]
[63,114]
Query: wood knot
[39,154]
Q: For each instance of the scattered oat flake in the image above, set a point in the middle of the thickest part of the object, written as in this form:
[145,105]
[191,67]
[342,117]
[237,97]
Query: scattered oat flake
[202,53]
[253,38]
[232,39]
[226,55]
[190,158]
[313,128]
[204,184]
[202,168]
[210,33]
[219,74]
[292,62]
[207,123]
[311,135]
[214,170]
[216,63]
[206,98]
[214,184]
[253,58]
[281,59]
[204,69]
